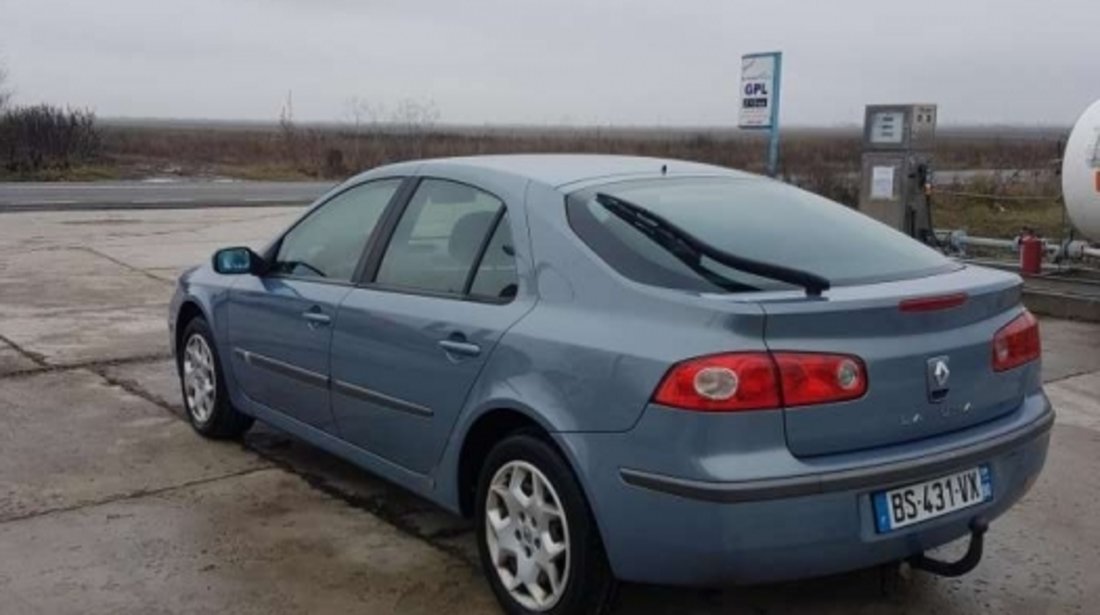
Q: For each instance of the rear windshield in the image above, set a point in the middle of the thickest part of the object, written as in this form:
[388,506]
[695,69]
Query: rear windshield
[758,219]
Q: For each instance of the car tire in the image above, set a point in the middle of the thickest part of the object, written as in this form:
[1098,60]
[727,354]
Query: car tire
[205,397]
[519,541]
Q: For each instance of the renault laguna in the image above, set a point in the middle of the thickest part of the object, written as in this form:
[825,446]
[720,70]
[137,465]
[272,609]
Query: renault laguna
[630,369]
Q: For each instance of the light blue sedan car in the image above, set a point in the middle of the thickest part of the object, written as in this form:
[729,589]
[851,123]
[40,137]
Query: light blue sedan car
[630,369]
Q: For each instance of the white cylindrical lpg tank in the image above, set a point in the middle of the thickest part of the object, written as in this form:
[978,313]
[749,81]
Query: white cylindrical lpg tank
[1081,173]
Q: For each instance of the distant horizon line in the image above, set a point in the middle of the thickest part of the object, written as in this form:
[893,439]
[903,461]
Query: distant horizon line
[845,126]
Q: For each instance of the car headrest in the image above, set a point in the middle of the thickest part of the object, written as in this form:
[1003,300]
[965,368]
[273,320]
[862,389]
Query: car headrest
[467,235]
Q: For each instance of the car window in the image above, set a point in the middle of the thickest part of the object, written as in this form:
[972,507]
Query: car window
[757,219]
[439,237]
[329,243]
[496,273]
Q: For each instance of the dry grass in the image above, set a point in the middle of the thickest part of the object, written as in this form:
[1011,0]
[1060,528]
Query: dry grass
[1011,207]
[824,161]
[76,173]
[304,150]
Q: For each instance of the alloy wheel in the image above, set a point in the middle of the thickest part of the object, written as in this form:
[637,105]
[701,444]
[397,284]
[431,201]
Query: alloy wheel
[199,379]
[527,535]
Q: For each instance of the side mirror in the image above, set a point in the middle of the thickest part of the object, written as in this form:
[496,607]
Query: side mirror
[236,261]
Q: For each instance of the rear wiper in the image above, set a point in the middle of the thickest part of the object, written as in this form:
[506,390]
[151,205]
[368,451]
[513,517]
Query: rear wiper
[689,249]
[671,243]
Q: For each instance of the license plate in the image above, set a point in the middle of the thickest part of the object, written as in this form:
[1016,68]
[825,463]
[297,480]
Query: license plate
[898,508]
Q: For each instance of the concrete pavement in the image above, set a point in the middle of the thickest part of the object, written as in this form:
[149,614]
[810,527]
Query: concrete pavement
[109,504]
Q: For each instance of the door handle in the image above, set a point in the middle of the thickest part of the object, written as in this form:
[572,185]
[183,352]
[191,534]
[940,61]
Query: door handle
[463,348]
[314,317]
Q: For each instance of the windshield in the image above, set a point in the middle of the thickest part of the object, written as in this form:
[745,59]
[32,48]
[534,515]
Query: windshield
[756,219]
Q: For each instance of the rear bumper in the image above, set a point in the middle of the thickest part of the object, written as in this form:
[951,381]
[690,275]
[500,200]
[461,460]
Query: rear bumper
[870,477]
[662,528]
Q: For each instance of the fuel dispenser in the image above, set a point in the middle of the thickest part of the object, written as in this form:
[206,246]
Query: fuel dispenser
[896,167]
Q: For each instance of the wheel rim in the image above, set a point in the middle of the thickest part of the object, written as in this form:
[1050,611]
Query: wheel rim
[199,379]
[527,535]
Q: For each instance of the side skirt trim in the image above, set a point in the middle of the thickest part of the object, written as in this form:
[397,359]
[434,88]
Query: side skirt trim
[381,399]
[283,369]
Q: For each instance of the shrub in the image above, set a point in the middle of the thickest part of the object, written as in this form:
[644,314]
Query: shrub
[46,137]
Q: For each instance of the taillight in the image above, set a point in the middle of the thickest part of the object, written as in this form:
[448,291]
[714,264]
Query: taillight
[721,383]
[1016,343]
[761,380]
[820,378]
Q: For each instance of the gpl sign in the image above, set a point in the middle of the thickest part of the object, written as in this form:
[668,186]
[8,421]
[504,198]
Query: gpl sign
[759,90]
[760,79]
[756,89]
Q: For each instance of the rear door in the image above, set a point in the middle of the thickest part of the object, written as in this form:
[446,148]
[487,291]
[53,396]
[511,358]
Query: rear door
[929,367]
[409,344]
[280,324]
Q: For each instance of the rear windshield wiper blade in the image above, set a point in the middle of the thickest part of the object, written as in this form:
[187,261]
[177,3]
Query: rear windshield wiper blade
[689,248]
[675,246]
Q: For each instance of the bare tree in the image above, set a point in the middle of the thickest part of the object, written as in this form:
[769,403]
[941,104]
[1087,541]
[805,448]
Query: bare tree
[415,121]
[288,131]
[361,113]
[412,117]
[5,93]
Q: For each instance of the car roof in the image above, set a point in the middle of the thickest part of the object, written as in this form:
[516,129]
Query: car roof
[564,170]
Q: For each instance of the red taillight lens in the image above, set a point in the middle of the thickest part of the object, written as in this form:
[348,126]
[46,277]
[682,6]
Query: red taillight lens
[820,378]
[759,381]
[1016,343]
[721,383]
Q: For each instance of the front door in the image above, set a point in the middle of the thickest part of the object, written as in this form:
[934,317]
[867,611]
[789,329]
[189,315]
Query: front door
[280,324]
[408,347]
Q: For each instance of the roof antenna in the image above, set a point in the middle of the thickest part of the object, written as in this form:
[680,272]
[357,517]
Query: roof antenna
[664,169]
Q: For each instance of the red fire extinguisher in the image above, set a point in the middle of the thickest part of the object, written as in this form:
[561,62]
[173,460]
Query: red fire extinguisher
[1031,254]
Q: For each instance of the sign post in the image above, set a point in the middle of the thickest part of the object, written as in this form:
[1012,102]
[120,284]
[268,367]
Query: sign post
[760,79]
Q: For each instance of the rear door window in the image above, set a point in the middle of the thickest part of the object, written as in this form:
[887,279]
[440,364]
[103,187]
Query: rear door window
[757,219]
[439,238]
[495,278]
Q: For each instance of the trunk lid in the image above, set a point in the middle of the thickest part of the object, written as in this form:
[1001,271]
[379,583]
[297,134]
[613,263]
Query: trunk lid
[902,351]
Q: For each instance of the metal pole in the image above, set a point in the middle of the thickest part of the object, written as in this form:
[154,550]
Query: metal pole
[773,133]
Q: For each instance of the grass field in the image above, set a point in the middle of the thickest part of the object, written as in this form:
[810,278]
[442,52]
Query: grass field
[1008,209]
[825,161]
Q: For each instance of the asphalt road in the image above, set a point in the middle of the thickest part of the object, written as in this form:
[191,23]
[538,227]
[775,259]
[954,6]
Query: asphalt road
[154,194]
[110,504]
[196,193]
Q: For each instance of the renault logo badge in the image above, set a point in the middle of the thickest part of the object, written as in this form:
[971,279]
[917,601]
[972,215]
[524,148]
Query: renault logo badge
[939,377]
[941,373]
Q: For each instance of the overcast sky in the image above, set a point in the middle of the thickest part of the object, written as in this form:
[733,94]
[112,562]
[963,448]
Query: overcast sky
[669,62]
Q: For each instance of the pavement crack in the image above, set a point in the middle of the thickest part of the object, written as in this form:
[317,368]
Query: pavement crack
[134,388]
[44,367]
[82,309]
[1070,376]
[34,357]
[135,494]
[124,264]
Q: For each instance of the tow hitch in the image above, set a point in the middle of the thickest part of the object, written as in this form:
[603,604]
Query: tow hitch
[968,562]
